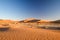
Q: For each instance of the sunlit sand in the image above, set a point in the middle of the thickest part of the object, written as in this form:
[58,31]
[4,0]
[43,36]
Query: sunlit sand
[22,31]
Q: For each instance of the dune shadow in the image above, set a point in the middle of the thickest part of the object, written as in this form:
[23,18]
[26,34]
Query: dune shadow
[50,28]
[54,28]
[4,29]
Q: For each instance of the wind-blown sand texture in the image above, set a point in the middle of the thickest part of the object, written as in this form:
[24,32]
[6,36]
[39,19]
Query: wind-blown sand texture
[22,32]
[29,34]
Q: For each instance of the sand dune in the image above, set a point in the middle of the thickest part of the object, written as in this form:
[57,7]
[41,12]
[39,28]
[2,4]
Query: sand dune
[29,34]
[20,31]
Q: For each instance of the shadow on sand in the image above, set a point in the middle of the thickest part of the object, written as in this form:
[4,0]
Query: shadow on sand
[50,28]
[4,29]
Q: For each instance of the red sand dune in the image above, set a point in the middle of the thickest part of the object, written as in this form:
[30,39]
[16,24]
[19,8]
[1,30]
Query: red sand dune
[22,32]
[29,34]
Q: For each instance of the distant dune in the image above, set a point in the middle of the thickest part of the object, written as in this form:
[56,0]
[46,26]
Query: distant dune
[34,20]
[13,30]
[56,21]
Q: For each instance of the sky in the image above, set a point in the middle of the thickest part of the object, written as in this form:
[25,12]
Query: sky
[23,9]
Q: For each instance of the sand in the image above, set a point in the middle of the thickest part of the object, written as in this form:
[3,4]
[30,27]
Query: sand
[22,32]
[29,34]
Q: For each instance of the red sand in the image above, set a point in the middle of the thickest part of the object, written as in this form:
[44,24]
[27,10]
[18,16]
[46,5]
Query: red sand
[22,32]
[29,34]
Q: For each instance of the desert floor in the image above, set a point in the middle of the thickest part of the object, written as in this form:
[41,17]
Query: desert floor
[25,33]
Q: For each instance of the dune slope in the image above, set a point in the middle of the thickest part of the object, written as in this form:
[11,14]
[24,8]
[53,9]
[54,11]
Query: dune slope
[29,34]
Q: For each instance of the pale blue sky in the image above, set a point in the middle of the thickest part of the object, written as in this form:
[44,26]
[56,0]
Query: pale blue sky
[22,9]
